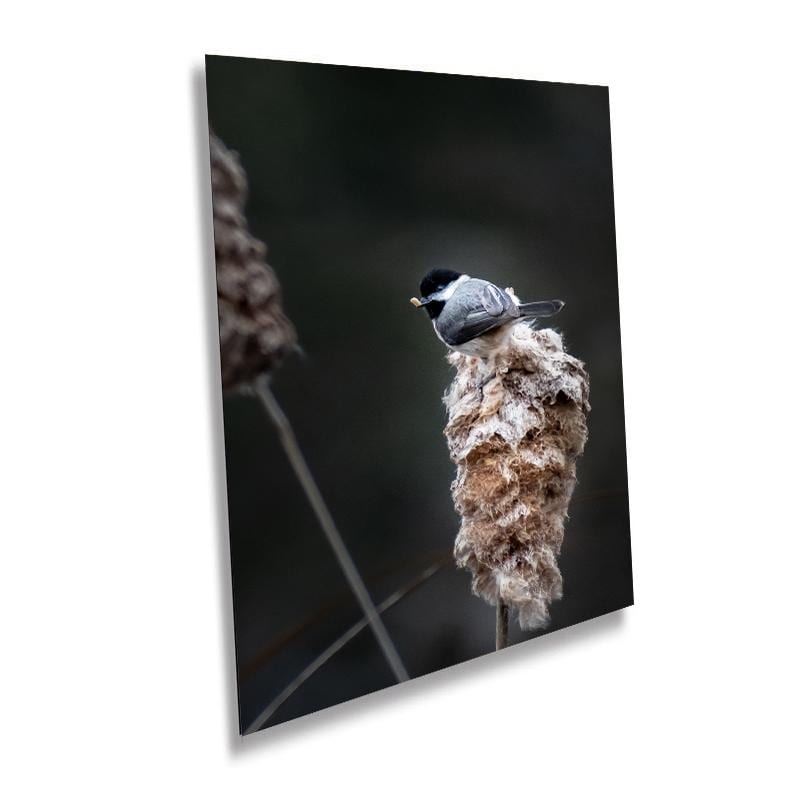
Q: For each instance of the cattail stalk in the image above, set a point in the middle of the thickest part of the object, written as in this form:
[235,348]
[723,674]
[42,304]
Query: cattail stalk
[501,626]
[516,427]
[317,503]
[329,652]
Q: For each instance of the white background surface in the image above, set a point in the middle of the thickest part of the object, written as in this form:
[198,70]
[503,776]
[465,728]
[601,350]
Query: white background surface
[117,678]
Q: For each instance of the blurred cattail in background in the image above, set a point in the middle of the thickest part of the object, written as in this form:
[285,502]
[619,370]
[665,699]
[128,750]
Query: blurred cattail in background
[515,443]
[255,335]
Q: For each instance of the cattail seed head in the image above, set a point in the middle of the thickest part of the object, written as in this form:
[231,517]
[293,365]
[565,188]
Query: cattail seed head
[515,443]
[255,334]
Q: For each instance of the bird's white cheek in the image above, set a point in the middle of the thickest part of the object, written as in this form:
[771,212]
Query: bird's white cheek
[449,290]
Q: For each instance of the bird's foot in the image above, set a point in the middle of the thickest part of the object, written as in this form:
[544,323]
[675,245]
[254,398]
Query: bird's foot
[490,377]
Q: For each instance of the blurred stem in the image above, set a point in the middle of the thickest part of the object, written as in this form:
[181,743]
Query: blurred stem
[297,459]
[334,648]
[323,611]
[501,626]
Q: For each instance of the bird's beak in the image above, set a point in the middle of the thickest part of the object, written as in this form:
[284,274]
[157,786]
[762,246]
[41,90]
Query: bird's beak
[418,303]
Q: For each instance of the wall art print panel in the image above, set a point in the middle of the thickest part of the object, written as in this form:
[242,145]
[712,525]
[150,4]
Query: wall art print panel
[421,372]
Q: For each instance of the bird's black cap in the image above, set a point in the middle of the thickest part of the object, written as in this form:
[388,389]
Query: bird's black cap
[437,279]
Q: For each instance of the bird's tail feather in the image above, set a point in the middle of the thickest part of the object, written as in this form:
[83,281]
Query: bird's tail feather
[541,308]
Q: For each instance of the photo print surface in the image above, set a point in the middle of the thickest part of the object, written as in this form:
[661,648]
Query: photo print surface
[421,372]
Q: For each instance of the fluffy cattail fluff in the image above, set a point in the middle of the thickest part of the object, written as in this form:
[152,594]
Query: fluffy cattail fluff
[255,334]
[515,444]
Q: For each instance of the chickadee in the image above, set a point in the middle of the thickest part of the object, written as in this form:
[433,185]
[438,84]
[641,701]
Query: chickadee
[474,316]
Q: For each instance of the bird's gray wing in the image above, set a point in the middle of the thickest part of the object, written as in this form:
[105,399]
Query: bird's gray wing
[486,310]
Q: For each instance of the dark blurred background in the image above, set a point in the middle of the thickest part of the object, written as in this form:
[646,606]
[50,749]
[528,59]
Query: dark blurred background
[361,180]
